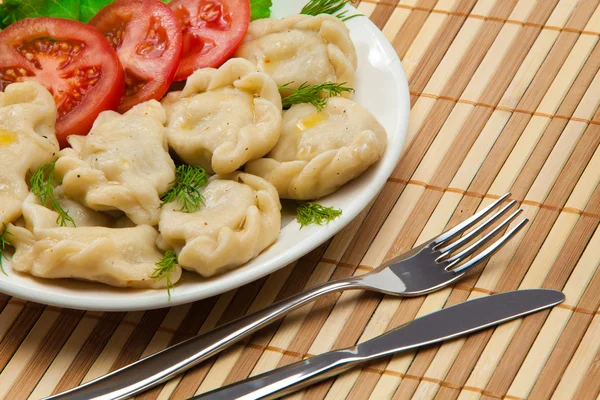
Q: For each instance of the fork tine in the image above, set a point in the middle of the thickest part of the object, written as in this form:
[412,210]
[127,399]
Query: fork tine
[468,223]
[489,251]
[477,245]
[467,238]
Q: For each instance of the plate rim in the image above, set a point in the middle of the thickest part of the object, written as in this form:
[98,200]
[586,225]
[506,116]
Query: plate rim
[320,235]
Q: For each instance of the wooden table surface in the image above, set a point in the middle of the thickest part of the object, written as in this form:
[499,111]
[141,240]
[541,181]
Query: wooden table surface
[505,97]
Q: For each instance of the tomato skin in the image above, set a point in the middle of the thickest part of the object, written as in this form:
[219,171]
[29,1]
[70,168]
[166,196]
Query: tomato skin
[33,46]
[212,31]
[148,41]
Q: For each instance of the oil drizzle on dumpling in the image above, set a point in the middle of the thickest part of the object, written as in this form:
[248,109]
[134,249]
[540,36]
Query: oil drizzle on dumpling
[7,137]
[311,120]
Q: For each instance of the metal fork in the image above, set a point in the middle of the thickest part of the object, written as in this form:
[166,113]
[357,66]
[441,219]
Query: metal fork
[429,267]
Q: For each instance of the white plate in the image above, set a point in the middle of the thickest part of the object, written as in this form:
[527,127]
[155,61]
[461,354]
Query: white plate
[381,87]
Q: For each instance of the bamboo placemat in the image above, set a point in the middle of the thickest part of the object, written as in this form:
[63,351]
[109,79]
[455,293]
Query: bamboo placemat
[505,97]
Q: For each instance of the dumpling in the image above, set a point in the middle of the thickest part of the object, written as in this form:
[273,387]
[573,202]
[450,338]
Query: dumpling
[240,218]
[320,151]
[301,48]
[123,164]
[224,118]
[27,141]
[81,215]
[118,257]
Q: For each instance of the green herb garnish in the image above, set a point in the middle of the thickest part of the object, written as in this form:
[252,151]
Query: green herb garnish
[4,243]
[42,185]
[260,9]
[313,94]
[186,188]
[316,214]
[333,7]
[164,268]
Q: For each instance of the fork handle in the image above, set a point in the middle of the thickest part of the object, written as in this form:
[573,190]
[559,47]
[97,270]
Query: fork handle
[165,364]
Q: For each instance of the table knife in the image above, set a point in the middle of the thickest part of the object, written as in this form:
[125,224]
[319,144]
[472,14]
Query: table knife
[448,323]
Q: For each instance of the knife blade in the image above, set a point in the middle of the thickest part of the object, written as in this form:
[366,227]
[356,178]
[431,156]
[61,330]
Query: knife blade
[448,323]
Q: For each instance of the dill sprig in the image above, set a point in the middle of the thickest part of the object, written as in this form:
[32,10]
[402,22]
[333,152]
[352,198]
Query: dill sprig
[42,185]
[4,243]
[186,188]
[316,214]
[333,7]
[313,94]
[164,268]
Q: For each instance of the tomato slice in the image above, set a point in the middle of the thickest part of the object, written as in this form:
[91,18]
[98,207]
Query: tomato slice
[148,40]
[212,31]
[72,60]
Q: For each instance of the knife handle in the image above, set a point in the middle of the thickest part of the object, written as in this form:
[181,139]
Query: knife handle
[286,380]
[165,364]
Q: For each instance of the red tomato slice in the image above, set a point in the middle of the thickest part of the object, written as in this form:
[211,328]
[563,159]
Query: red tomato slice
[148,40]
[72,60]
[212,31]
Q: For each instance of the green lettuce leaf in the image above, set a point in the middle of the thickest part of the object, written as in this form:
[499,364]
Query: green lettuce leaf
[89,8]
[260,9]
[83,10]
[15,10]
[77,10]
[63,9]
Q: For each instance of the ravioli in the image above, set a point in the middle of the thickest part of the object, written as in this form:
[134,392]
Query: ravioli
[320,151]
[123,164]
[241,217]
[123,257]
[301,49]
[27,141]
[224,117]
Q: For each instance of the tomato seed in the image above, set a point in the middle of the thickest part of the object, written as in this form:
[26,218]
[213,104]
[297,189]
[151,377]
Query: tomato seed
[209,15]
[62,51]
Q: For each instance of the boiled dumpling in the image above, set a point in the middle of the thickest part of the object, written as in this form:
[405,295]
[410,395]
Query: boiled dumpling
[224,118]
[118,257]
[240,218]
[301,49]
[81,215]
[320,151]
[123,164]
[27,141]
